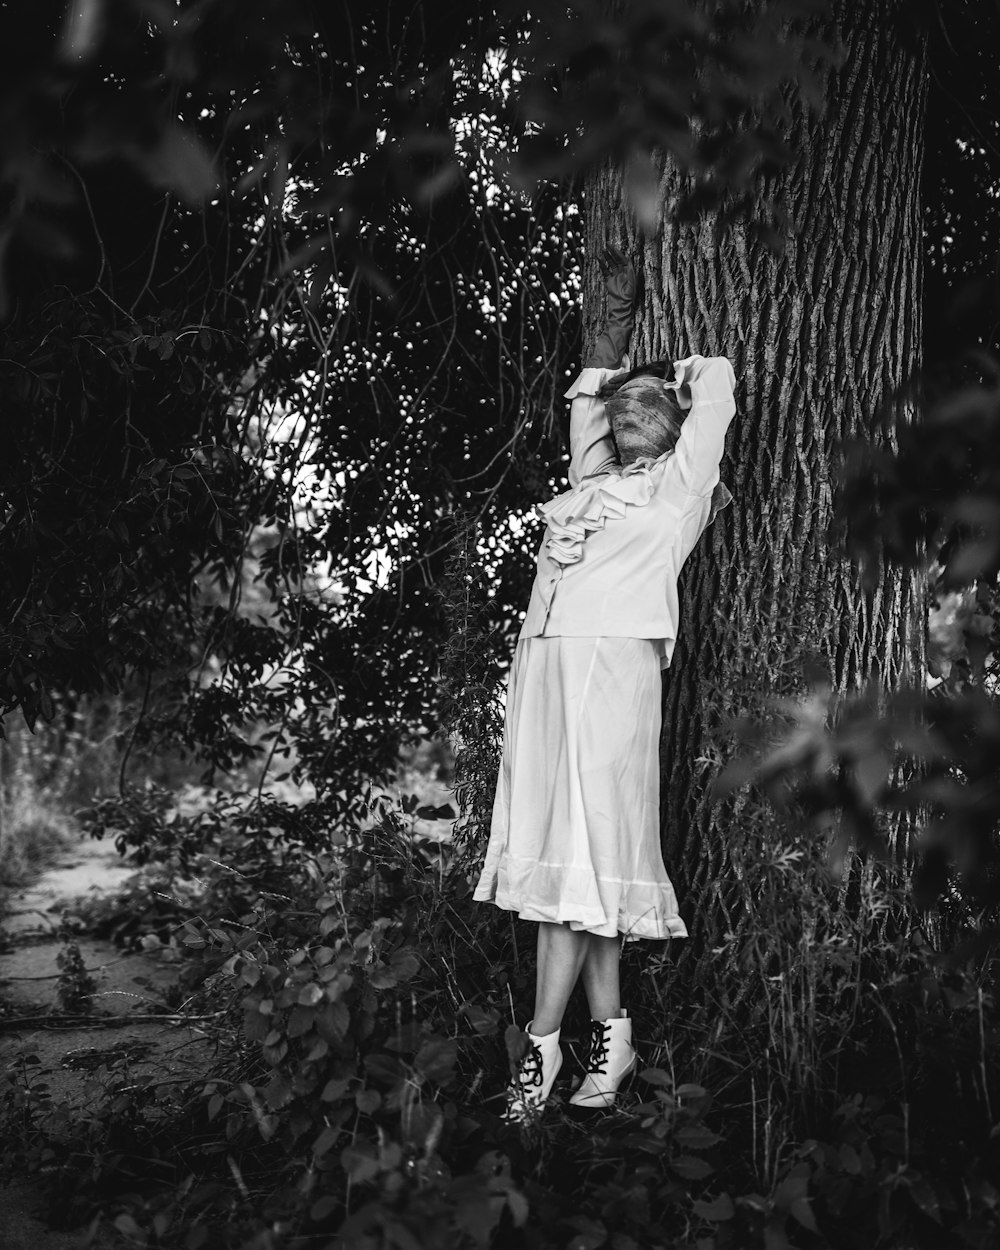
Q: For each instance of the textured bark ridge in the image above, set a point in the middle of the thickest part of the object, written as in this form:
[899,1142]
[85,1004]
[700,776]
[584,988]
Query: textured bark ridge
[818,337]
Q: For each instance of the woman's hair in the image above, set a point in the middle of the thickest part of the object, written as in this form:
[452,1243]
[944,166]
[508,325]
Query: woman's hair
[645,419]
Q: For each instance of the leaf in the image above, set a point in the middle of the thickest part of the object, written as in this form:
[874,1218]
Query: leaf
[274,1054]
[483,1021]
[442,180]
[436,1059]
[358,1164]
[696,1137]
[924,1196]
[256,1027]
[325,1142]
[801,1210]
[516,1043]
[622,1241]
[368,1101]
[336,1017]
[181,163]
[300,1021]
[716,1209]
[278,1092]
[587,1241]
[792,1188]
[404,964]
[692,1167]
[849,1159]
[335,1089]
[384,1067]
[324,1207]
[46,705]
[518,1206]
[656,1076]
[591,1236]
[871,772]
[382,977]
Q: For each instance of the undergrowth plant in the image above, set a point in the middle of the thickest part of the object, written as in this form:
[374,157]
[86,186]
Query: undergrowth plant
[75,987]
[365,1024]
[820,1073]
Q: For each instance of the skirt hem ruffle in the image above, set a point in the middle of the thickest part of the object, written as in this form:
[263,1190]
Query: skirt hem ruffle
[580,920]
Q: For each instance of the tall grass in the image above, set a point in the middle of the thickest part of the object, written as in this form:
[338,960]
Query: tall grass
[46,775]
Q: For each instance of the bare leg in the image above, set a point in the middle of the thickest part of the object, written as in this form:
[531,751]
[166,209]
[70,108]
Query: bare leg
[600,976]
[561,952]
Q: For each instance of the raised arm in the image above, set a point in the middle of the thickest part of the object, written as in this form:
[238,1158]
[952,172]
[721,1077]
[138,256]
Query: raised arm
[592,449]
[702,439]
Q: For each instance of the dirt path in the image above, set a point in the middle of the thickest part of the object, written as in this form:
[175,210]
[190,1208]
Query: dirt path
[72,1054]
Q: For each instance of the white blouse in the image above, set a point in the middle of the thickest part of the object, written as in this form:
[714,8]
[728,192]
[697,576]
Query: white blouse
[615,543]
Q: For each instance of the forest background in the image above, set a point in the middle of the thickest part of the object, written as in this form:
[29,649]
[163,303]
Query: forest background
[291,294]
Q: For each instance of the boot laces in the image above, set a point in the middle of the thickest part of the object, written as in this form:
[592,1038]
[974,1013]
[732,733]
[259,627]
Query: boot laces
[600,1037]
[531,1067]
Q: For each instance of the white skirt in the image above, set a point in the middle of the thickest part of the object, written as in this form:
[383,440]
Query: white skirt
[575,833]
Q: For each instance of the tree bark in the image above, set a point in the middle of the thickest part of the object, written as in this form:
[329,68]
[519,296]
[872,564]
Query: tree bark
[818,338]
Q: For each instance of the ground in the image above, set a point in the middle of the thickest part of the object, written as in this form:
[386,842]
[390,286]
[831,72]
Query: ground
[129,987]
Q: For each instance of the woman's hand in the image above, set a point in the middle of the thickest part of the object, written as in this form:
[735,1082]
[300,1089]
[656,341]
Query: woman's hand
[620,280]
[618,274]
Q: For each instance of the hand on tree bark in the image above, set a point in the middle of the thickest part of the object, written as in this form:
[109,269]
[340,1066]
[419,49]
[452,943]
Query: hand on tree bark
[618,274]
[620,281]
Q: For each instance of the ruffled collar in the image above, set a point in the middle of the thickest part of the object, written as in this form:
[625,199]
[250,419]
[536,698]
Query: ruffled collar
[571,516]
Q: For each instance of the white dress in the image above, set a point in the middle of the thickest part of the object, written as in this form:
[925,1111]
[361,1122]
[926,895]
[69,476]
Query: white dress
[575,834]
[575,831]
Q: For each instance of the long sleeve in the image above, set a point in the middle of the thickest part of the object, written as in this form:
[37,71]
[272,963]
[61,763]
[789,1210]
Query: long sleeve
[619,319]
[592,449]
[703,433]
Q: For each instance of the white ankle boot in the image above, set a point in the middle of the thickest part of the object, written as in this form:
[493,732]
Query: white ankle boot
[536,1073]
[611,1059]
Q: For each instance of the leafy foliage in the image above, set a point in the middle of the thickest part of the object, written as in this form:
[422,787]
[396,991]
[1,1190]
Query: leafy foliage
[342,322]
[361,1008]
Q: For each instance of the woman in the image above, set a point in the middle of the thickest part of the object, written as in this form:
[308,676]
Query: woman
[574,840]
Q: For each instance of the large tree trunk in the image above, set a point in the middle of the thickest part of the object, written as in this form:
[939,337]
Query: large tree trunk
[817,338]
